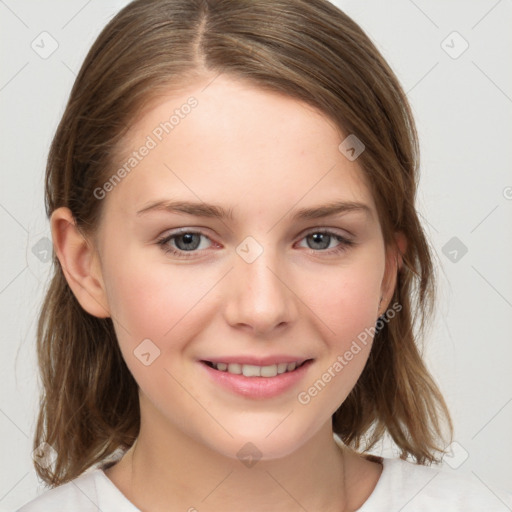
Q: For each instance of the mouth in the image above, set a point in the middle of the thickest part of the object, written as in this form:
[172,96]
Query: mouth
[251,370]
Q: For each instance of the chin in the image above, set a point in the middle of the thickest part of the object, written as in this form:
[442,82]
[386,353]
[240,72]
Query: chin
[260,444]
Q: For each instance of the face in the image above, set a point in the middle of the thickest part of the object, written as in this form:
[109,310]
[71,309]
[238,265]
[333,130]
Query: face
[271,283]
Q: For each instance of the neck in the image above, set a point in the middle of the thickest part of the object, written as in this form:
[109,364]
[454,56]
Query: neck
[182,475]
[168,470]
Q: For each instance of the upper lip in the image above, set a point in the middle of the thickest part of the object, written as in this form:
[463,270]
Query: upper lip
[257,361]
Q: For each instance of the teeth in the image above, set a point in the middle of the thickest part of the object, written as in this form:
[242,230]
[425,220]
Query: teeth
[281,367]
[269,371]
[251,370]
[234,368]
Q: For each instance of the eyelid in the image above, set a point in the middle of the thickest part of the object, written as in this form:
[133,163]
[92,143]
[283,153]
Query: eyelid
[326,229]
[344,240]
[201,231]
[169,235]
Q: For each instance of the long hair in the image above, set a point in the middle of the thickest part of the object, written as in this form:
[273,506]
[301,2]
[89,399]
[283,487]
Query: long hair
[308,50]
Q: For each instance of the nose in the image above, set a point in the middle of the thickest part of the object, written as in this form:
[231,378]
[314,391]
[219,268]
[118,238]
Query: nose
[261,299]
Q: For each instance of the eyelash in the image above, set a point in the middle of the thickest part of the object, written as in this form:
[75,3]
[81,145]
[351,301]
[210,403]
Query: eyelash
[345,243]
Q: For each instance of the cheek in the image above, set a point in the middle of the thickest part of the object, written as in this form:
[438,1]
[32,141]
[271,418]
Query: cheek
[150,299]
[154,310]
[347,299]
[347,305]
[356,311]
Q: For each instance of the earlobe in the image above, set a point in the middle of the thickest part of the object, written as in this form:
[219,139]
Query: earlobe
[79,261]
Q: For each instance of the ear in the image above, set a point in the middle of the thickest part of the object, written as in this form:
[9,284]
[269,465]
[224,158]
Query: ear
[394,262]
[80,263]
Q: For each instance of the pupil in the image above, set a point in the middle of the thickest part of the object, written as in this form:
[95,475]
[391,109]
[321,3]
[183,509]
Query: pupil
[318,238]
[186,241]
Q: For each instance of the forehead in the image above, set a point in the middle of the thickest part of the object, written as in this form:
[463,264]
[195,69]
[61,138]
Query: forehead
[228,141]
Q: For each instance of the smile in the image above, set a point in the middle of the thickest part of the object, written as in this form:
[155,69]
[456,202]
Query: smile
[257,377]
[250,370]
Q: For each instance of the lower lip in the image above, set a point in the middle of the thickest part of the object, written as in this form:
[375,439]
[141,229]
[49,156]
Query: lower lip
[258,387]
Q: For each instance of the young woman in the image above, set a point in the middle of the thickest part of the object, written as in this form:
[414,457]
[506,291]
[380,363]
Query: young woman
[240,273]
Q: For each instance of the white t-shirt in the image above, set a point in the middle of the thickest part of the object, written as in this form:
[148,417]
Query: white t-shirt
[402,486]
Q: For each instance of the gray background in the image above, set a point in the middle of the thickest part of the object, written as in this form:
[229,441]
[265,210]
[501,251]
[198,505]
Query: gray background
[462,104]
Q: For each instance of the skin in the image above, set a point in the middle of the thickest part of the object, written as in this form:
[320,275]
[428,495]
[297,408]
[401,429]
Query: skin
[264,155]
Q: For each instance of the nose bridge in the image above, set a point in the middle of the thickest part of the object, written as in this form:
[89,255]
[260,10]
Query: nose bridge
[261,298]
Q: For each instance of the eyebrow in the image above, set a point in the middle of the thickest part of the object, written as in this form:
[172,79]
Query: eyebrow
[218,212]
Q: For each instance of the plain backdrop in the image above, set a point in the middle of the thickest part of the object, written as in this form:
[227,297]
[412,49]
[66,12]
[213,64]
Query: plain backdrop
[451,57]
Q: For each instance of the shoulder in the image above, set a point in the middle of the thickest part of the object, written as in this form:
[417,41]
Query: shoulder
[92,491]
[406,486]
[79,495]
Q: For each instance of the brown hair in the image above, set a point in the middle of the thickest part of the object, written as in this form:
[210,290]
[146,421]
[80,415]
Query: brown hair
[305,49]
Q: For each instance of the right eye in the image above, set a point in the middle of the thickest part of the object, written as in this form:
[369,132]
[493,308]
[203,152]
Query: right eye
[186,243]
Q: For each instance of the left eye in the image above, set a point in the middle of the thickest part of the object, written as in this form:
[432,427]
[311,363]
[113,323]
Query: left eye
[323,238]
